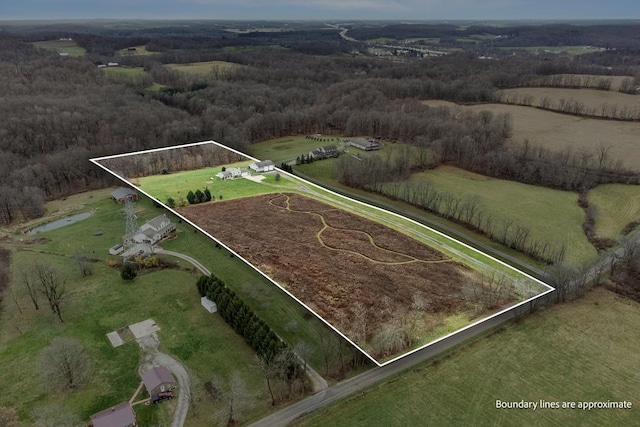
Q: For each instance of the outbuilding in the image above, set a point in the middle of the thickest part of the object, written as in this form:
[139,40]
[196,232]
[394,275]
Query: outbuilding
[263,166]
[208,305]
[121,415]
[123,195]
[158,381]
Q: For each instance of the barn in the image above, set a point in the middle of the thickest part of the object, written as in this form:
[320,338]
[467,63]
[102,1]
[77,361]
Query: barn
[123,195]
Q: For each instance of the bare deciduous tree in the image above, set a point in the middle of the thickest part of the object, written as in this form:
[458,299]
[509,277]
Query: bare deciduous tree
[51,282]
[65,363]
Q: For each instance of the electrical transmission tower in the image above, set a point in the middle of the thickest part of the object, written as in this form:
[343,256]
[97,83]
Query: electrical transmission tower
[131,226]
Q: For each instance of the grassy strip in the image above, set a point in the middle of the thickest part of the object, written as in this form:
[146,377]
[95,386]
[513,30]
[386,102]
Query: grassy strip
[616,206]
[524,362]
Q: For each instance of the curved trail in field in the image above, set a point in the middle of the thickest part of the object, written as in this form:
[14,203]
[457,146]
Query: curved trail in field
[326,226]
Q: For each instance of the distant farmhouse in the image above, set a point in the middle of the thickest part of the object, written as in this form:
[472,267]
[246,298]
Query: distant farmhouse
[153,231]
[365,144]
[123,194]
[324,152]
[230,173]
[121,415]
[263,166]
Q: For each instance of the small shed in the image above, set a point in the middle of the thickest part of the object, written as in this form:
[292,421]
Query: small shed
[158,380]
[121,415]
[209,305]
[116,250]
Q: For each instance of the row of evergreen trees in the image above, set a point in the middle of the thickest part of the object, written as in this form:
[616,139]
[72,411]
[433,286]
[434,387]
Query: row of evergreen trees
[240,317]
[199,196]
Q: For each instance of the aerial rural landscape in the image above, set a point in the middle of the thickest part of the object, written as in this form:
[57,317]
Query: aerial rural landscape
[313,217]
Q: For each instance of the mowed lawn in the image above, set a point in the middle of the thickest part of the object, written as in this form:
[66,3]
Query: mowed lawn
[558,132]
[584,351]
[552,215]
[69,47]
[616,206]
[178,184]
[101,303]
[290,147]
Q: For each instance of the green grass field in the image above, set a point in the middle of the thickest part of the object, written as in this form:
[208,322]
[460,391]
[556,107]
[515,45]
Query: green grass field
[69,47]
[570,50]
[584,351]
[178,184]
[102,302]
[138,51]
[616,206]
[552,215]
[290,147]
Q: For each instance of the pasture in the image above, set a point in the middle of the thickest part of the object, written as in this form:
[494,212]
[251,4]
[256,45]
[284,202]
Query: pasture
[616,206]
[135,51]
[290,147]
[558,132]
[69,47]
[552,215]
[102,302]
[551,355]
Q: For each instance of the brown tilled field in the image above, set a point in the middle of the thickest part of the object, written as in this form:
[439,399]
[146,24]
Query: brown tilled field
[357,274]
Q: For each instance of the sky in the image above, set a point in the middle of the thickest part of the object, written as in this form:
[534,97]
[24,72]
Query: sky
[320,9]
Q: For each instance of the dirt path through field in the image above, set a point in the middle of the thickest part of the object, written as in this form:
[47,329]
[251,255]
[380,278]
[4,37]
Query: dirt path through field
[326,226]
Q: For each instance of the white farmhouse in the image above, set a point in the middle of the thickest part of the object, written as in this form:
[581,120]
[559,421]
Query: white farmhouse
[155,230]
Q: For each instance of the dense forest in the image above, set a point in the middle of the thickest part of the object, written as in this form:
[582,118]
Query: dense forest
[59,111]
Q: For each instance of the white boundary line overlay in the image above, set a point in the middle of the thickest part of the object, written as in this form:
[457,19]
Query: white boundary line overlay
[550,289]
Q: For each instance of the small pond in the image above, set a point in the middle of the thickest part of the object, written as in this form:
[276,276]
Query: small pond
[59,223]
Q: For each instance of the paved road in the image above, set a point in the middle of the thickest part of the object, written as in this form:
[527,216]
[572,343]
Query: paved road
[362,381]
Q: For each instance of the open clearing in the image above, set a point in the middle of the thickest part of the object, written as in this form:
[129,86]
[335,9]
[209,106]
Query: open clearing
[552,215]
[69,47]
[584,351]
[290,147]
[334,262]
[616,206]
[204,68]
[601,101]
[557,131]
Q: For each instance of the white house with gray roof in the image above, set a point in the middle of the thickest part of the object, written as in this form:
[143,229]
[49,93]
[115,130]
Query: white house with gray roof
[155,230]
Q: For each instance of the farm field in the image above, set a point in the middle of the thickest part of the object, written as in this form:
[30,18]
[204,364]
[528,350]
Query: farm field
[69,47]
[552,215]
[601,101]
[381,272]
[616,206]
[570,50]
[124,71]
[557,131]
[204,68]
[583,80]
[590,344]
[137,51]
